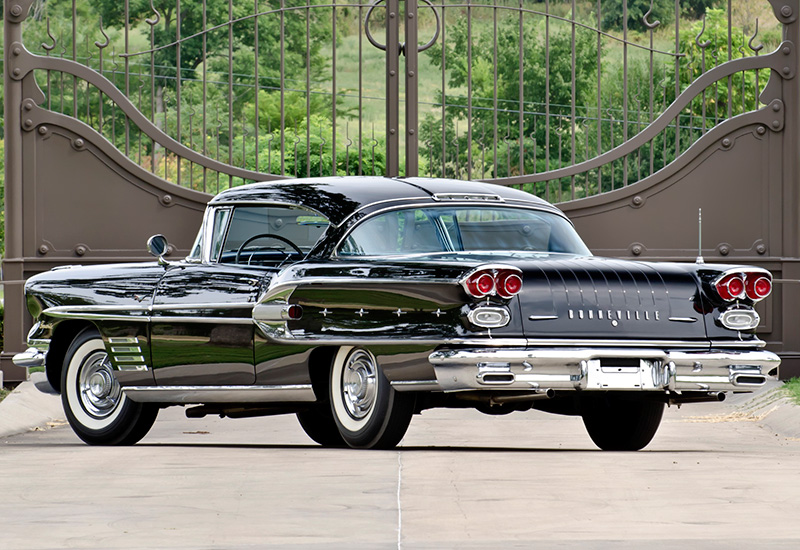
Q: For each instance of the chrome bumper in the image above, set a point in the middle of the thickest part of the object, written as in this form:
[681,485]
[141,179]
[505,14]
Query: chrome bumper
[36,353]
[601,369]
[31,357]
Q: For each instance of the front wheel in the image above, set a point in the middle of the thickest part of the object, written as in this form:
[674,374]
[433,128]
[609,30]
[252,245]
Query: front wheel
[97,410]
[368,412]
[617,424]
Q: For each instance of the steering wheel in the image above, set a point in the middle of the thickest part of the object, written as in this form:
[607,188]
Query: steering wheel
[272,236]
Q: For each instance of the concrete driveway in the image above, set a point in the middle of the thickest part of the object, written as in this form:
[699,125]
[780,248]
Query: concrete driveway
[460,480]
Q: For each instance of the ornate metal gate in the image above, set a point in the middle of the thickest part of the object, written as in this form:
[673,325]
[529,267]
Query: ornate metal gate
[122,118]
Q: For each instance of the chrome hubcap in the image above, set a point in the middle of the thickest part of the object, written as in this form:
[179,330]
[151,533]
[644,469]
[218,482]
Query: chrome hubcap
[98,389]
[359,384]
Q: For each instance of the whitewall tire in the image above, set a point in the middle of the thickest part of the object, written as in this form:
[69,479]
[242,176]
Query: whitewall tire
[368,412]
[96,408]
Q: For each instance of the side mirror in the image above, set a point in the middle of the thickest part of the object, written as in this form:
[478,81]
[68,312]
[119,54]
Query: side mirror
[157,246]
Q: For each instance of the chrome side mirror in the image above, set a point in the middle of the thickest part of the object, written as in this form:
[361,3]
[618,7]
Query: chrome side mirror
[157,246]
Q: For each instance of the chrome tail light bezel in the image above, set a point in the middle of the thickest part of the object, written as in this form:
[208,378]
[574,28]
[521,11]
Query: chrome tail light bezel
[503,277]
[743,283]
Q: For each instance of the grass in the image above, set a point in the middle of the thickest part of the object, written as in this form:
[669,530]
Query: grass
[3,393]
[792,387]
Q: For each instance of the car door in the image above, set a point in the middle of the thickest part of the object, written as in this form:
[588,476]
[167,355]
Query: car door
[201,325]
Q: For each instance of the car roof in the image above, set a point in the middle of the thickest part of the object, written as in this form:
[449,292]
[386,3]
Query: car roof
[337,198]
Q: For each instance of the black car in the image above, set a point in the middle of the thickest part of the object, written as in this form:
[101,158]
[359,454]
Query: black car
[357,302]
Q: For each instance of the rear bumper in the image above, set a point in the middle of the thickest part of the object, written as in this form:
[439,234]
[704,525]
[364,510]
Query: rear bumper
[601,369]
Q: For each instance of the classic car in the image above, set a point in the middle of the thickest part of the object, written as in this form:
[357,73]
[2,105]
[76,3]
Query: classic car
[358,302]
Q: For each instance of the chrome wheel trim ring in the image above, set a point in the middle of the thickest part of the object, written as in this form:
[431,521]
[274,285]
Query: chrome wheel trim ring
[98,389]
[359,384]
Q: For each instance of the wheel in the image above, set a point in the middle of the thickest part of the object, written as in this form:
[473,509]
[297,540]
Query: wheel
[97,410]
[616,424]
[319,425]
[368,412]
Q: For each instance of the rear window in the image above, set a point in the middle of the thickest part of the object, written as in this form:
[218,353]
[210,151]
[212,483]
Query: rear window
[462,229]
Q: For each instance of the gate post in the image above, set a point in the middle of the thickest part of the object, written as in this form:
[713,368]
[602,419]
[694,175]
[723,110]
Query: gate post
[788,13]
[14,11]
[392,87]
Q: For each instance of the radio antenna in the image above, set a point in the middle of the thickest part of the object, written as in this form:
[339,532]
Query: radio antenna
[699,259]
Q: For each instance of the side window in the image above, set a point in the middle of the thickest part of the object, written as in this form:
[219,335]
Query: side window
[395,233]
[271,235]
[218,232]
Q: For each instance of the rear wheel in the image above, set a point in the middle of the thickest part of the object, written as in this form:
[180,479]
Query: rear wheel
[368,412]
[616,424]
[319,425]
[97,410]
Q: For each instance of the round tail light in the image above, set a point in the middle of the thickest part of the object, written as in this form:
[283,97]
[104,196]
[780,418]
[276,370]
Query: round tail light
[758,286]
[731,287]
[480,284]
[508,284]
[494,280]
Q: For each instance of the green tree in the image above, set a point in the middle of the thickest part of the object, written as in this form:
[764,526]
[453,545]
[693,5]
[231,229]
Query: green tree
[537,93]
[612,13]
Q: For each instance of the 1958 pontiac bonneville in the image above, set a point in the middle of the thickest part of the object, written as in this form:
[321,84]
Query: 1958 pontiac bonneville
[355,303]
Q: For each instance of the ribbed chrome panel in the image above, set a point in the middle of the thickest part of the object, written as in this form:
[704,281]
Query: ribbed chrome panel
[127,355]
[601,298]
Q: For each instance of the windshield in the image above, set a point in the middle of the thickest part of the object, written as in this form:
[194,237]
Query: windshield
[421,231]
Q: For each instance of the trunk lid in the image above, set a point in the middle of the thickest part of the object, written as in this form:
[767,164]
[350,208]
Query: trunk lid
[597,298]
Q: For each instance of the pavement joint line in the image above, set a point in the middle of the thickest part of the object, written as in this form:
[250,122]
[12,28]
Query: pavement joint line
[399,502]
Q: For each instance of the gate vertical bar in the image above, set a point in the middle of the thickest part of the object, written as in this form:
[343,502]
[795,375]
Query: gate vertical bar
[392,88]
[412,90]
[469,91]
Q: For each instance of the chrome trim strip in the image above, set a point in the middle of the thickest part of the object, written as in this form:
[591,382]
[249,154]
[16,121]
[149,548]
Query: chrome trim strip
[482,197]
[132,368]
[194,319]
[132,349]
[115,340]
[416,385]
[580,343]
[129,359]
[38,343]
[94,309]
[542,317]
[223,305]
[220,394]
[515,342]
[683,319]
[281,285]
[101,317]
[746,344]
